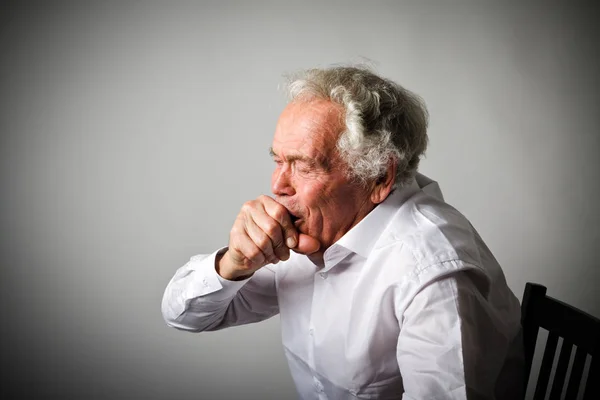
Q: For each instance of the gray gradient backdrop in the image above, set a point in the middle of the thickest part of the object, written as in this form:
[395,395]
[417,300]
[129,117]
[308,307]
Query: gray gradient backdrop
[132,132]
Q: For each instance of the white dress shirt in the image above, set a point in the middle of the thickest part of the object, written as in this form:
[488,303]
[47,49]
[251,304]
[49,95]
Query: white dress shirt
[410,304]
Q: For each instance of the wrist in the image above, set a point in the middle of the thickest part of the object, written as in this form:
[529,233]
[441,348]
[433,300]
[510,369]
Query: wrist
[226,268]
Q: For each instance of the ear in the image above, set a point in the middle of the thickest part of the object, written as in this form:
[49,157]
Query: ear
[383,186]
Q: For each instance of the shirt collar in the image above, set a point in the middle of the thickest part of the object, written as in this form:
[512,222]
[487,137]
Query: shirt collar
[361,238]
[429,186]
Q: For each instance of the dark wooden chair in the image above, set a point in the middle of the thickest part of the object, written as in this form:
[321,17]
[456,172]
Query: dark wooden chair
[576,328]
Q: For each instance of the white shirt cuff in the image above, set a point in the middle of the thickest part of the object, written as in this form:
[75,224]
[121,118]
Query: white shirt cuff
[207,282]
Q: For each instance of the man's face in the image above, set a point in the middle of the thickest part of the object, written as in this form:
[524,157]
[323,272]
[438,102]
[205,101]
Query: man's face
[310,178]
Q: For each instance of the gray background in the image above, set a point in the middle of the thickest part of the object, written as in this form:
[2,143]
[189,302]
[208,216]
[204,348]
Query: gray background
[132,132]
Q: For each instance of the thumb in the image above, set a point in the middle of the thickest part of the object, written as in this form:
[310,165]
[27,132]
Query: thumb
[306,244]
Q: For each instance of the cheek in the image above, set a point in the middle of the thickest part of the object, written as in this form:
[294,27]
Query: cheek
[339,202]
[320,206]
[310,194]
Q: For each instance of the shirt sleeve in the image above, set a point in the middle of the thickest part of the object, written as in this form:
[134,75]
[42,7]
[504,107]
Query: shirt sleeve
[198,299]
[451,344]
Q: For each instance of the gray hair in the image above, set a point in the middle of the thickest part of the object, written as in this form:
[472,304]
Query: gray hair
[383,120]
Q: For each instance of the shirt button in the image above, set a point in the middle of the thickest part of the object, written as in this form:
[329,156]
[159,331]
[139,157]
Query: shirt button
[311,331]
[323,275]
[318,386]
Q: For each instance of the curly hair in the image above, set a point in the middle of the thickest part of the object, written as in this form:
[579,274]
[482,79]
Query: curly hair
[383,121]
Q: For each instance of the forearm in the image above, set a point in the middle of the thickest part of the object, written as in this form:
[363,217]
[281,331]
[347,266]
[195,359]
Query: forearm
[198,299]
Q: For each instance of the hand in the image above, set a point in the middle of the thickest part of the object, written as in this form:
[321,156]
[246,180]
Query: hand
[263,233]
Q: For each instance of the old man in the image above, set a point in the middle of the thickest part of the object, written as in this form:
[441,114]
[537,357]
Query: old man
[384,290]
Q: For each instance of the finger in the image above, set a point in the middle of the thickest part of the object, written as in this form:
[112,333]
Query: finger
[307,244]
[244,245]
[280,214]
[274,230]
[260,238]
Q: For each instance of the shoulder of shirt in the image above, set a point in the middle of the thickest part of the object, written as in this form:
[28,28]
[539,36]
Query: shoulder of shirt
[434,232]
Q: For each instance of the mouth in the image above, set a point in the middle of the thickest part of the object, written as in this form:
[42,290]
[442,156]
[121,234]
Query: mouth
[294,218]
[296,221]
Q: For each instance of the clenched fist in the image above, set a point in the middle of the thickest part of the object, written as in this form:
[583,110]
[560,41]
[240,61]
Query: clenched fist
[263,233]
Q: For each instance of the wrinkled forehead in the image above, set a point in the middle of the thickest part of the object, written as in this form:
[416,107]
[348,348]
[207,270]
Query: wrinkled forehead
[308,127]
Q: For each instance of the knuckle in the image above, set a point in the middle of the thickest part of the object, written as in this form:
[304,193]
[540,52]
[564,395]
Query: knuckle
[236,231]
[279,212]
[264,243]
[272,228]
[250,206]
[247,207]
[256,256]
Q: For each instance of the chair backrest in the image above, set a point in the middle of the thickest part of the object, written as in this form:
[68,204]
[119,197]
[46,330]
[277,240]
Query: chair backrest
[576,327]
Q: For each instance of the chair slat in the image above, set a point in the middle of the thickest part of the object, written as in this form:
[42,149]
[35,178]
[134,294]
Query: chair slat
[582,328]
[576,372]
[546,367]
[530,326]
[561,370]
[576,328]
[592,385]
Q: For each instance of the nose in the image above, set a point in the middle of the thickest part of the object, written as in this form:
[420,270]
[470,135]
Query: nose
[281,183]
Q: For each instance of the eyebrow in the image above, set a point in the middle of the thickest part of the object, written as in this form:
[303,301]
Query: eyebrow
[298,157]
[292,157]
